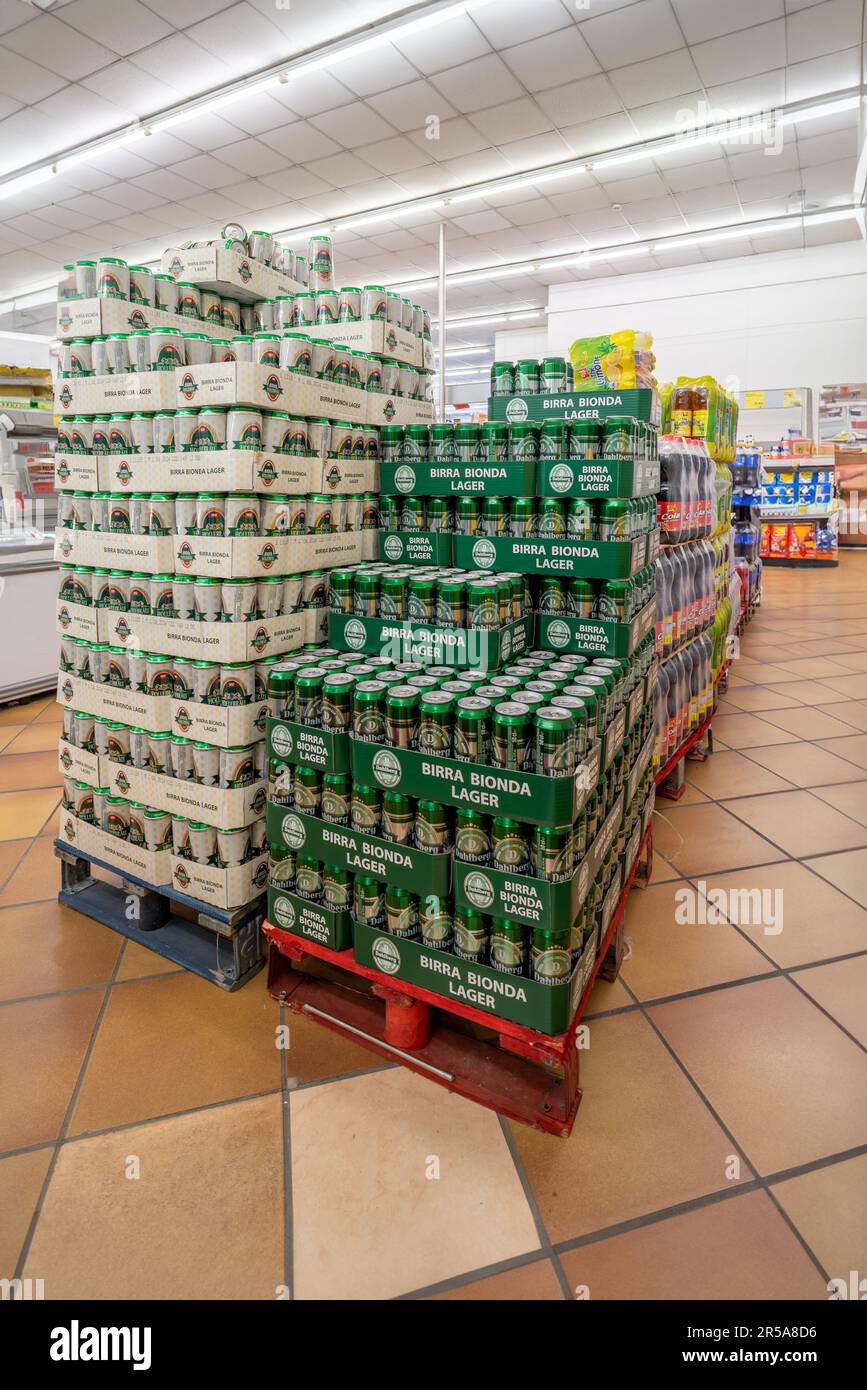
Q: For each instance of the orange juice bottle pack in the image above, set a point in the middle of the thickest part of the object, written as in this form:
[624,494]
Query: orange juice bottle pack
[699,408]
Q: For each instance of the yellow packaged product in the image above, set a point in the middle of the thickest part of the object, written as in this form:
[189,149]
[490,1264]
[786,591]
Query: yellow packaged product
[622,361]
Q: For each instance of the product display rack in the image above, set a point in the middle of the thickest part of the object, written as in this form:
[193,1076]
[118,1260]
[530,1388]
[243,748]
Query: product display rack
[227,894]
[800,512]
[516,1071]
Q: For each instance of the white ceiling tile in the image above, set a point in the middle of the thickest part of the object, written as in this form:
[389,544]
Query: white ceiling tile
[23,80]
[476,168]
[121,164]
[819,76]
[353,125]
[58,47]
[12,15]
[63,217]
[730,58]
[90,205]
[208,133]
[671,117]
[514,21]
[214,206]
[242,37]
[124,26]
[583,196]
[183,65]
[831,180]
[395,155]
[261,112]
[649,29]
[399,240]
[699,216]
[549,61]
[550,148]
[382,69]
[824,28]
[164,148]
[27,228]
[343,170]
[134,198]
[295,182]
[18,266]
[756,162]
[79,114]
[656,78]
[473,86]
[602,134]
[767,186]
[247,196]
[166,184]
[700,21]
[26,136]
[627,190]
[308,96]
[129,86]
[452,138]
[421,182]
[826,149]
[299,140]
[836,231]
[408,108]
[525,214]
[476,223]
[443,46]
[251,156]
[206,171]
[513,120]
[193,10]
[747,94]
[580,101]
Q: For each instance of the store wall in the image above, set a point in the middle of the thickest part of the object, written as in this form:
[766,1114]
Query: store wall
[19,352]
[774,320]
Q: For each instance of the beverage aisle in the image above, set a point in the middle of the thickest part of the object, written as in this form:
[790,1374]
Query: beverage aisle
[719,1150]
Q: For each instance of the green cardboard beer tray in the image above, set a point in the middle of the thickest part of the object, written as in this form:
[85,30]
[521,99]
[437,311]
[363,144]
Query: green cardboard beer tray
[634,707]
[595,404]
[484,649]
[515,478]
[613,738]
[525,796]
[639,767]
[310,920]
[416,547]
[596,636]
[535,901]
[402,867]
[557,556]
[301,746]
[544,1008]
[597,478]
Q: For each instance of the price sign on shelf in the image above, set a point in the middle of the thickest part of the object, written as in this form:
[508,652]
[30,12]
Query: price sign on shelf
[791,397]
[754,400]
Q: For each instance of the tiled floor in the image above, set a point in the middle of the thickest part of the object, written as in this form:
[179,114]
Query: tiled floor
[155,1142]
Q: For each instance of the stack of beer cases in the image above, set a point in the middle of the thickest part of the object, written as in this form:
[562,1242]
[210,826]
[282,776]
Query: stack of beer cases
[186,574]
[458,804]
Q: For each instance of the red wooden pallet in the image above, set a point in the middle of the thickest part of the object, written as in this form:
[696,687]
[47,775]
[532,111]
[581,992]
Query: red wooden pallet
[518,1072]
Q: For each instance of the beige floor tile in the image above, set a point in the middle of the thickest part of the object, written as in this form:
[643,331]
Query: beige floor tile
[848,797]
[45,947]
[50,714]
[841,989]
[813,667]
[749,731]
[852,747]
[42,1042]
[20,772]
[35,738]
[808,692]
[663,872]
[36,877]
[202,1046]
[786,1081]
[532,1283]
[11,854]
[8,733]
[607,994]
[754,698]
[23,813]
[138,962]
[829,1208]
[850,712]
[808,723]
[854,661]
[806,765]
[732,774]
[23,713]
[643,1139]
[853,687]
[387,1227]
[773,673]
[847,871]
[21,1179]
[706,840]
[815,921]
[739,1249]
[795,822]
[672,951]
[203,1220]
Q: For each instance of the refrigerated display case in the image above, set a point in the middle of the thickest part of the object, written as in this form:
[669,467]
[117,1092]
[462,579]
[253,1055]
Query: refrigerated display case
[28,569]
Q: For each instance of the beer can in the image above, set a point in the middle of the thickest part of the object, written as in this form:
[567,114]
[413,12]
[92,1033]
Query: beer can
[402,716]
[435,922]
[502,379]
[472,837]
[472,729]
[211,514]
[435,724]
[422,599]
[309,689]
[181,836]
[336,797]
[337,701]
[208,600]
[401,914]
[237,766]
[398,818]
[242,516]
[508,948]
[186,422]
[483,604]
[467,516]
[368,711]
[336,888]
[553,596]
[510,849]
[243,428]
[527,377]
[292,587]
[472,934]
[203,842]
[308,878]
[368,901]
[366,811]
[117,816]
[164,432]
[512,736]
[432,827]
[230,314]
[165,293]
[197,349]
[189,304]
[550,955]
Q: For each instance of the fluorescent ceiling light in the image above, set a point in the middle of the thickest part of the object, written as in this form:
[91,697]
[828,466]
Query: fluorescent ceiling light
[468,351]
[24,181]
[815,113]
[491,273]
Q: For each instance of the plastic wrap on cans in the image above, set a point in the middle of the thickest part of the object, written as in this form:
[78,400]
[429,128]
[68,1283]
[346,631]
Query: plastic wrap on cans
[238,600]
[243,516]
[243,428]
[183,596]
[321,263]
[197,349]
[208,599]
[296,352]
[206,766]
[166,293]
[189,300]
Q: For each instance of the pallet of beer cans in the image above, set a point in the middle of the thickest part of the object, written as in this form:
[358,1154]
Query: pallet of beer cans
[458,826]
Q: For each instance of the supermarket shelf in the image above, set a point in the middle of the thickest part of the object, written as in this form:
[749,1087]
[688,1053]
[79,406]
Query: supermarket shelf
[816,514]
[525,1075]
[783,562]
[194,945]
[689,743]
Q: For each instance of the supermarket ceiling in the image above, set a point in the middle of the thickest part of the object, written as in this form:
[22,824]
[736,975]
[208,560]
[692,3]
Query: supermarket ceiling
[593,127]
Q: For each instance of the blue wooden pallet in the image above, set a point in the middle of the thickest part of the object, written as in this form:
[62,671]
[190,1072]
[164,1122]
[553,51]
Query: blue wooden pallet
[223,946]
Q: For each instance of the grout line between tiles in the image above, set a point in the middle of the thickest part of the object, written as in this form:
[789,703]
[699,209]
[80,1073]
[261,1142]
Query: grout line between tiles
[538,1220]
[472,1276]
[286,1129]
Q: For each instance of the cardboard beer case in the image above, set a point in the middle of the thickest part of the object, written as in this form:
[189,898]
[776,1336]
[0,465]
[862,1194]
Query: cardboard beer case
[598,478]
[226,808]
[482,479]
[234,885]
[596,636]
[153,866]
[559,556]
[401,866]
[122,391]
[313,921]
[477,648]
[93,318]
